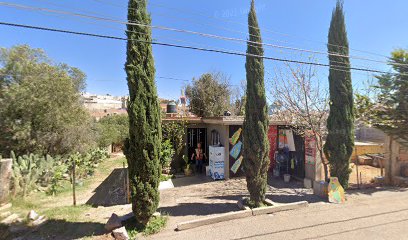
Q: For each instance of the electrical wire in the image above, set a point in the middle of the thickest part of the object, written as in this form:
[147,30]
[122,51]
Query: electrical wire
[334,67]
[178,40]
[189,32]
[241,24]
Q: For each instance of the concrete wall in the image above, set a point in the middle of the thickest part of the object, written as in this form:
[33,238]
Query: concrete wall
[5,176]
[362,148]
[396,157]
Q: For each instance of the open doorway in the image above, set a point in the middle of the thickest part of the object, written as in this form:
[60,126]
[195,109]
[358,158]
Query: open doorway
[195,136]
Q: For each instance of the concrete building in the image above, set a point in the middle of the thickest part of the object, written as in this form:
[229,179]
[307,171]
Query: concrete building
[100,106]
[298,159]
[102,102]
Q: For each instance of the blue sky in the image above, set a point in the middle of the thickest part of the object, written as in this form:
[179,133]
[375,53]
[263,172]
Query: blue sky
[373,25]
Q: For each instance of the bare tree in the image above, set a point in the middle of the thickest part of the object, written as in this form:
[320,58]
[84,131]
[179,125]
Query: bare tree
[301,99]
[238,98]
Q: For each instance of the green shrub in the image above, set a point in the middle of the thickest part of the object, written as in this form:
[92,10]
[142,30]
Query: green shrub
[166,154]
[56,180]
[155,225]
[25,173]
[32,171]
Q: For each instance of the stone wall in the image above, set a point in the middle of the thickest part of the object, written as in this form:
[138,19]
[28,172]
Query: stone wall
[5,176]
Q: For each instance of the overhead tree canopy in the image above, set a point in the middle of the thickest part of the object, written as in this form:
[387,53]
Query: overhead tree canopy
[113,130]
[41,111]
[209,95]
[391,106]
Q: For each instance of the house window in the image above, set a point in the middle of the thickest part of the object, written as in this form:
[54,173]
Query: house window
[215,138]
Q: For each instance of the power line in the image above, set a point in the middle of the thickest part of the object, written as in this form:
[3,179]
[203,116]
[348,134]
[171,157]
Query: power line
[334,67]
[189,32]
[191,47]
[178,40]
[238,23]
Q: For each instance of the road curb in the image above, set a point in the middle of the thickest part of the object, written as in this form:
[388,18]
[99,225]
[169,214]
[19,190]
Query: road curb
[240,214]
[215,219]
[279,208]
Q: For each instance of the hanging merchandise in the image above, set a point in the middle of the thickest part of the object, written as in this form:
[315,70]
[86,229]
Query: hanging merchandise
[282,139]
[290,140]
[236,150]
[237,164]
[292,164]
[272,136]
[234,139]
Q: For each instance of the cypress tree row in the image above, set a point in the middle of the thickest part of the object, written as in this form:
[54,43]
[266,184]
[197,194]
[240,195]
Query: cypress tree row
[143,146]
[255,129]
[340,124]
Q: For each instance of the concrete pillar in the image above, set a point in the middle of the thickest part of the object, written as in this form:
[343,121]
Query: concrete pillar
[392,166]
[5,176]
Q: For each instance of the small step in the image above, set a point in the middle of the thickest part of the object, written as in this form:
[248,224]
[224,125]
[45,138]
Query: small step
[4,214]
[10,219]
[5,206]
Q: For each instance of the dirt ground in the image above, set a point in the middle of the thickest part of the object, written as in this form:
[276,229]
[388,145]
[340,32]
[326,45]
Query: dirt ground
[99,197]
[199,196]
[191,198]
[368,173]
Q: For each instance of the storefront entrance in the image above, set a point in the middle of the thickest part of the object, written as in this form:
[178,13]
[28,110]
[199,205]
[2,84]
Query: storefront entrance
[290,154]
[195,136]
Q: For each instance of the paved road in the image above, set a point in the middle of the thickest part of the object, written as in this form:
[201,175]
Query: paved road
[378,215]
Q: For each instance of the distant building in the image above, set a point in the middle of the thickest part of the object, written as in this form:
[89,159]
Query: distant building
[102,102]
[100,106]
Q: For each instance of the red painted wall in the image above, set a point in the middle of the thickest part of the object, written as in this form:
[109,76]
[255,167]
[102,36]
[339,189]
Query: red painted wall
[272,136]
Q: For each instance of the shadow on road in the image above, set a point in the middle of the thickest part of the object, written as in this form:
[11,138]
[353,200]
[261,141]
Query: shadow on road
[199,209]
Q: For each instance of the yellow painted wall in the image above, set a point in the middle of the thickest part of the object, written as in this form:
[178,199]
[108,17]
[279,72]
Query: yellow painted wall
[364,148]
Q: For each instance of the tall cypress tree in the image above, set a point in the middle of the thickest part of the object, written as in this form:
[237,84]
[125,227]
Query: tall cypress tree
[340,124]
[143,146]
[255,129]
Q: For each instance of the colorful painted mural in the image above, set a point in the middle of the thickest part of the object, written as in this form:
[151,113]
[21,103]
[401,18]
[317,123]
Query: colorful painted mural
[235,146]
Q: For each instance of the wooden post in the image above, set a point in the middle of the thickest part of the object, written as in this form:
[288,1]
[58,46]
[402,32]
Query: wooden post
[74,182]
[361,179]
[357,163]
[124,183]
[127,185]
[388,172]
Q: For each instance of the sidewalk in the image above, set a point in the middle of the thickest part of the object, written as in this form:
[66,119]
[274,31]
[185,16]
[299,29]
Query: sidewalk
[199,196]
[366,215]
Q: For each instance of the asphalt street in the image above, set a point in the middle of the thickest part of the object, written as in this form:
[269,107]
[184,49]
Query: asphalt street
[366,215]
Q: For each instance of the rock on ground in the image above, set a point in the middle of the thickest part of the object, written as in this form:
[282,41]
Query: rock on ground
[120,234]
[113,222]
[32,215]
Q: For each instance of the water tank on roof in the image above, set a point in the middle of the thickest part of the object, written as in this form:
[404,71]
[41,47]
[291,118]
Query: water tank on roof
[171,107]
